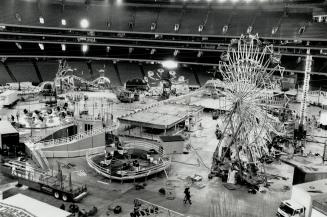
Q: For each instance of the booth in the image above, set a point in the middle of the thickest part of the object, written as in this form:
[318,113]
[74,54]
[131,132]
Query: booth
[172,144]
[9,139]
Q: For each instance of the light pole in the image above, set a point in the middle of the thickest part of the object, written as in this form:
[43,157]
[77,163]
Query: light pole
[307,70]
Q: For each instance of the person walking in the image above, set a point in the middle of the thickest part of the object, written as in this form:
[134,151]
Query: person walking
[187,197]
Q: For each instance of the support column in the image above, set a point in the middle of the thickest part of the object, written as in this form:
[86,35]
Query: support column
[308,63]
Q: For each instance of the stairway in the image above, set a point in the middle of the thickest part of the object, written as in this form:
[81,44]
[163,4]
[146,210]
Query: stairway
[37,155]
[44,159]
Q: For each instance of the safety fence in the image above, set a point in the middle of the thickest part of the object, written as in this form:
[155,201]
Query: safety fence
[274,101]
[44,177]
[151,209]
[66,122]
[162,165]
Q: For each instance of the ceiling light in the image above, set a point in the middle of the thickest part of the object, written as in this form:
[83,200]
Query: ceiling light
[41,46]
[63,47]
[169,64]
[18,45]
[84,23]
[85,47]
[119,2]
[63,22]
[41,19]
[18,17]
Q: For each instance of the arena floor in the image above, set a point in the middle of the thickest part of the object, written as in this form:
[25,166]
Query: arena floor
[206,201]
[102,192]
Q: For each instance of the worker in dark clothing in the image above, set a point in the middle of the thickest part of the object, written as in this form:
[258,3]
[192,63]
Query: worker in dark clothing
[62,207]
[187,197]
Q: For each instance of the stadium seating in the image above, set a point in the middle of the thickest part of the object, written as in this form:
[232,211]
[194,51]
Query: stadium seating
[26,11]
[144,18]
[203,77]
[4,76]
[168,17]
[240,21]
[189,19]
[128,71]
[109,71]
[264,22]
[291,24]
[118,17]
[213,27]
[48,69]
[315,30]
[80,69]
[23,71]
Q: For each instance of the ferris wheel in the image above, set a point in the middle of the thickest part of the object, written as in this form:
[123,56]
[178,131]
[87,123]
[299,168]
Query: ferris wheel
[247,70]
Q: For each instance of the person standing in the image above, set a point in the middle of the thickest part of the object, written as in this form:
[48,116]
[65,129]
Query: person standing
[187,197]
[63,207]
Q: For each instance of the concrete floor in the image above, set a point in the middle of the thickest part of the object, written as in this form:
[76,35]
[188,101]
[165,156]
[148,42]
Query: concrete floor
[211,201]
[208,201]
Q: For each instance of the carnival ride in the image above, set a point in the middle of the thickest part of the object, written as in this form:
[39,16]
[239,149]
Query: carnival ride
[65,80]
[129,161]
[168,83]
[248,126]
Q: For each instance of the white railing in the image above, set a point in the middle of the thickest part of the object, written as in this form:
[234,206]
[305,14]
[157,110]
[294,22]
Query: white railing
[170,100]
[43,158]
[69,121]
[75,153]
[274,101]
[35,154]
[74,138]
[130,175]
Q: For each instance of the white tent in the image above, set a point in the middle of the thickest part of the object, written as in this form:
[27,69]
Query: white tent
[35,207]
[323,118]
